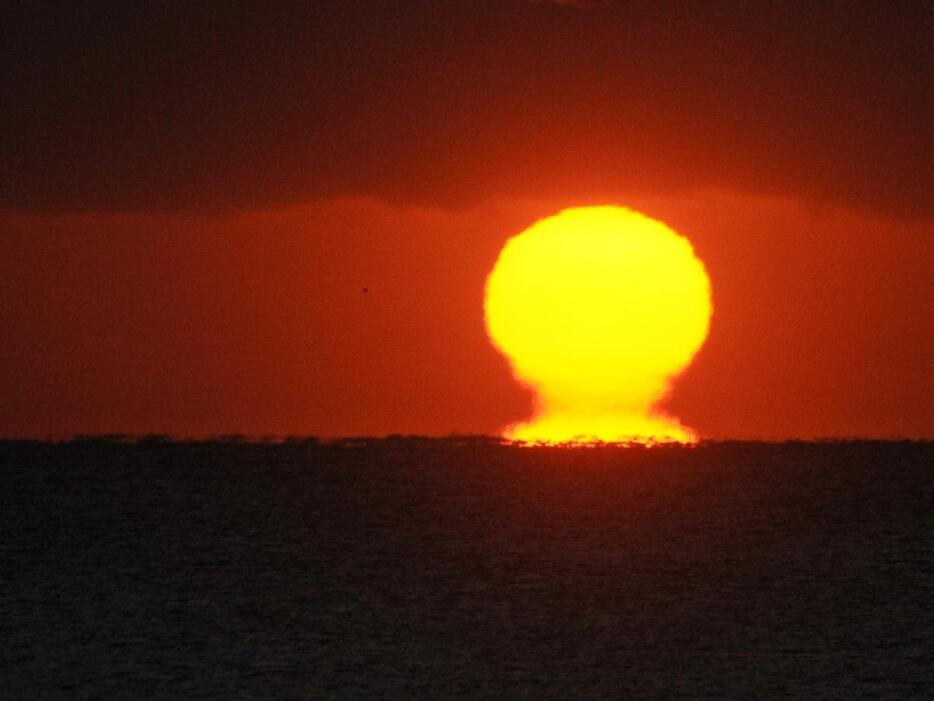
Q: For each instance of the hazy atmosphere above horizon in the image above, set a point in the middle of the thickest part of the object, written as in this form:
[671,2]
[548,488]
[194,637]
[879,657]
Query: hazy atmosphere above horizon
[282,219]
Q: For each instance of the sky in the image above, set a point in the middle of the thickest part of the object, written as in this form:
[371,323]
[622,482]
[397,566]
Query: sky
[193,197]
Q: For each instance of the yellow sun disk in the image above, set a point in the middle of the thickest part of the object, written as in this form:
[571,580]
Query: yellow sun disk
[598,309]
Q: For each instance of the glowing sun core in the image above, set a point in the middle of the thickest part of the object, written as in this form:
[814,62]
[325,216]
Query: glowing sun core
[598,309]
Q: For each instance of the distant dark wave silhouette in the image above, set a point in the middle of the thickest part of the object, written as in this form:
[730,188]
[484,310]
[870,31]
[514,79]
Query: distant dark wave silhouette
[398,439]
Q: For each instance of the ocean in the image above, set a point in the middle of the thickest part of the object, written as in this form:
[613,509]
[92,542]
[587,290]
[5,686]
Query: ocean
[433,568]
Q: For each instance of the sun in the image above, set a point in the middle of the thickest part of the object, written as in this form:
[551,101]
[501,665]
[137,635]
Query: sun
[598,309]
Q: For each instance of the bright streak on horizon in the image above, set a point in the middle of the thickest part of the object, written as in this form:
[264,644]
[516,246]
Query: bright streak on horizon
[598,309]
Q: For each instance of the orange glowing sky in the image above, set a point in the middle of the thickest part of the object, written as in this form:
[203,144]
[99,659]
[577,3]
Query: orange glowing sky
[192,203]
[258,323]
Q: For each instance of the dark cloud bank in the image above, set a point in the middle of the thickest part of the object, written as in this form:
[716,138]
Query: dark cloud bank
[207,105]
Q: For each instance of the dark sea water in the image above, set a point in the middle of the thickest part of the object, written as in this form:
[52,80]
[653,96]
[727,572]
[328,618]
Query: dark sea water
[432,569]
